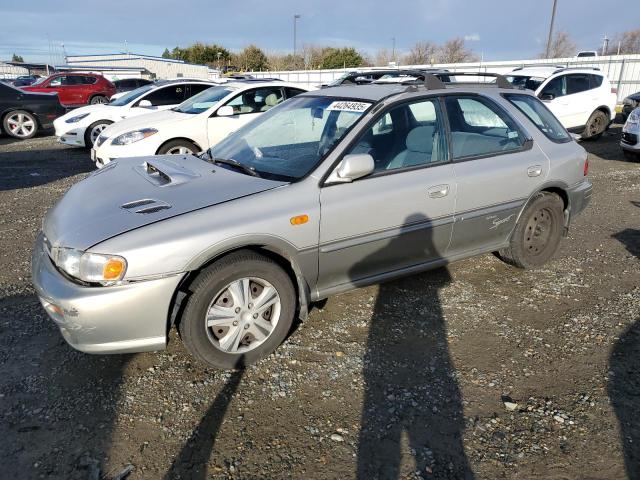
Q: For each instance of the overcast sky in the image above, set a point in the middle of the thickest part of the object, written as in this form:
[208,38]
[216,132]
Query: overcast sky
[497,29]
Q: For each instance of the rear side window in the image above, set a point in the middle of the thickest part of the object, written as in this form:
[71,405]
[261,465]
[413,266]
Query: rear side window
[540,115]
[596,81]
[478,127]
[171,95]
[88,80]
[292,92]
[577,83]
[195,88]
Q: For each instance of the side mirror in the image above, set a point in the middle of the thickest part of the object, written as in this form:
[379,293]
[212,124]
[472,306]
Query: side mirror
[355,166]
[225,111]
[547,96]
[145,104]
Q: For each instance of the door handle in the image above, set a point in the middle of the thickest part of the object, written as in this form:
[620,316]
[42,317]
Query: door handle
[534,171]
[438,191]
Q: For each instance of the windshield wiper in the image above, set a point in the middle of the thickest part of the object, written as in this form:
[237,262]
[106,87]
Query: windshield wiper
[234,163]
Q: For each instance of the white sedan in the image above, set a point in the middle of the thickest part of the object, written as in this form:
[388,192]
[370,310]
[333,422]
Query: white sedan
[195,125]
[80,127]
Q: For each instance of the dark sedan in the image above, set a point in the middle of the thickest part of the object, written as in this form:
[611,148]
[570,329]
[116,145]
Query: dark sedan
[25,80]
[23,114]
[128,84]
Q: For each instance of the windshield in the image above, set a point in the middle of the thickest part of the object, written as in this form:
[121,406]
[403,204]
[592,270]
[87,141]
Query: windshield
[132,95]
[204,100]
[289,140]
[525,81]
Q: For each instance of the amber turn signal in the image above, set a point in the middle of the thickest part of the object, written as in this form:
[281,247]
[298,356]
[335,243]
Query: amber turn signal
[113,269]
[299,219]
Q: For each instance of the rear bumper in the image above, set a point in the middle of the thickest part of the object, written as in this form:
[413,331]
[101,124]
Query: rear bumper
[119,319]
[579,197]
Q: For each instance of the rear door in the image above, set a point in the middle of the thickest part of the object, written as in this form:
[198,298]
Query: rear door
[400,216]
[496,168]
[246,106]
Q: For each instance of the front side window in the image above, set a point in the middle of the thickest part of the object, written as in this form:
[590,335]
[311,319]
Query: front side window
[557,87]
[170,95]
[256,100]
[290,140]
[58,81]
[577,83]
[130,96]
[203,101]
[408,135]
[540,115]
[479,127]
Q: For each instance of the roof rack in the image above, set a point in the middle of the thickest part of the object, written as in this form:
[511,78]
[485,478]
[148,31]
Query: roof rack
[536,65]
[562,69]
[501,81]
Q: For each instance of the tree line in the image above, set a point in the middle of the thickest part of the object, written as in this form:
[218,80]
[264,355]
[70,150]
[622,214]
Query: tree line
[314,57]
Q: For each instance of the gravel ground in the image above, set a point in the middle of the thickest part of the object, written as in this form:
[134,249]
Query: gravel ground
[477,370]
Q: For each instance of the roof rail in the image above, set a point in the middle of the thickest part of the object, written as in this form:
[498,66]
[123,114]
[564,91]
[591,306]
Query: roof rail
[562,69]
[501,81]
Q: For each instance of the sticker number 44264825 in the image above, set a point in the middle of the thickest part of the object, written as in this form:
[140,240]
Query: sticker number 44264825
[346,106]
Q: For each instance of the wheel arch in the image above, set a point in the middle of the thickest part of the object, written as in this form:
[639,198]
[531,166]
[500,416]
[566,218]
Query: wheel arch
[560,189]
[278,250]
[177,138]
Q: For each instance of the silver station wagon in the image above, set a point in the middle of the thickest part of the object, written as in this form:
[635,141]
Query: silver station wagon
[331,190]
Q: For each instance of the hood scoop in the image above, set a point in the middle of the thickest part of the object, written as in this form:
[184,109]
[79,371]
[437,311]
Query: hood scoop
[145,206]
[163,172]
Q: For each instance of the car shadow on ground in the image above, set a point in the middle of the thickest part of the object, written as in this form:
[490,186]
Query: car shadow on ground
[53,395]
[624,382]
[602,147]
[412,405]
[32,168]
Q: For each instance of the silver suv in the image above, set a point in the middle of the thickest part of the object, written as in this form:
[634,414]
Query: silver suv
[331,190]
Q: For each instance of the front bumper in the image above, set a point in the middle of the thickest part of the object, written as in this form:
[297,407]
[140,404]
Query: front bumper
[68,135]
[105,152]
[118,319]
[579,197]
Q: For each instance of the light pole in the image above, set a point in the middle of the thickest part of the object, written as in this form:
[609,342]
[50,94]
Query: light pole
[393,49]
[553,17]
[295,21]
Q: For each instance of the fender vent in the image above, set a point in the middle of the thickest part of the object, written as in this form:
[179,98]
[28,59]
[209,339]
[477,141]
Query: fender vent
[145,206]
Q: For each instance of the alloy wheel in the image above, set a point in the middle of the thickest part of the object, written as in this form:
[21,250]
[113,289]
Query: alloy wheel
[96,131]
[21,125]
[179,151]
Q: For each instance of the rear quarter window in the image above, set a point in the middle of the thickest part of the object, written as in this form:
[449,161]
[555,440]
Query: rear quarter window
[540,116]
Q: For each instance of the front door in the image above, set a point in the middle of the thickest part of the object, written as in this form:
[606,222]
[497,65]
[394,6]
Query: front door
[400,216]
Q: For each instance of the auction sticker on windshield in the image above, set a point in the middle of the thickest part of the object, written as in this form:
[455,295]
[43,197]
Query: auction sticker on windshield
[344,106]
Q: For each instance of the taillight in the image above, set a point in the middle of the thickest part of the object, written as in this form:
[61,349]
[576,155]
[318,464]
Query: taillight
[586,167]
[614,90]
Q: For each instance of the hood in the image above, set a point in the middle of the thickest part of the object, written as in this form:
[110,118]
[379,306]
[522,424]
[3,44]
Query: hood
[153,119]
[86,109]
[132,192]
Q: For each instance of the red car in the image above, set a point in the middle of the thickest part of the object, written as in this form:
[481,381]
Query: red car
[75,88]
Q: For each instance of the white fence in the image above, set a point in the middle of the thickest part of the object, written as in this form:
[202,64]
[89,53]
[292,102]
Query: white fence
[622,70]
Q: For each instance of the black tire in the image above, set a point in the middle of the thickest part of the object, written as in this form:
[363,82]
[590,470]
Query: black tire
[209,285]
[87,133]
[170,148]
[98,99]
[596,125]
[538,232]
[634,157]
[29,124]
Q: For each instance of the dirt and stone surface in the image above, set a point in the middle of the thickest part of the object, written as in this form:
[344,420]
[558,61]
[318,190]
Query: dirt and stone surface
[478,370]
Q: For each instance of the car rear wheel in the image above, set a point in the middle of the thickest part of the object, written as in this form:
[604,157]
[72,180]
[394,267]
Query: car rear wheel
[93,131]
[178,147]
[241,309]
[596,125]
[98,99]
[538,232]
[20,124]
[634,157]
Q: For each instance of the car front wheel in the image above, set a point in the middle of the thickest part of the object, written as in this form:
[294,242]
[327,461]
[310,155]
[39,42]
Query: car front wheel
[596,125]
[242,307]
[93,131]
[178,147]
[20,124]
[538,232]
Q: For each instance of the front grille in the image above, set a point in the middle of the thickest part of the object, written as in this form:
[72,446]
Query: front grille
[629,138]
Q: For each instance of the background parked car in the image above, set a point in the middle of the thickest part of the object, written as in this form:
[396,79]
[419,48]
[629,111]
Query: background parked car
[582,98]
[25,80]
[369,76]
[80,127]
[629,104]
[195,125]
[75,89]
[630,141]
[22,113]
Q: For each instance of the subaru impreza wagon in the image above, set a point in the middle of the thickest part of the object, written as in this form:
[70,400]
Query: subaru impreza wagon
[329,191]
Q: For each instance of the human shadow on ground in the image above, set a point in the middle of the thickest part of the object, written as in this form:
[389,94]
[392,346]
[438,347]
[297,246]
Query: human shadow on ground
[192,461]
[624,384]
[410,386]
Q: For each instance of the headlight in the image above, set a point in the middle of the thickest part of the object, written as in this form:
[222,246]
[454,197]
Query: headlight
[132,137]
[77,118]
[89,267]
